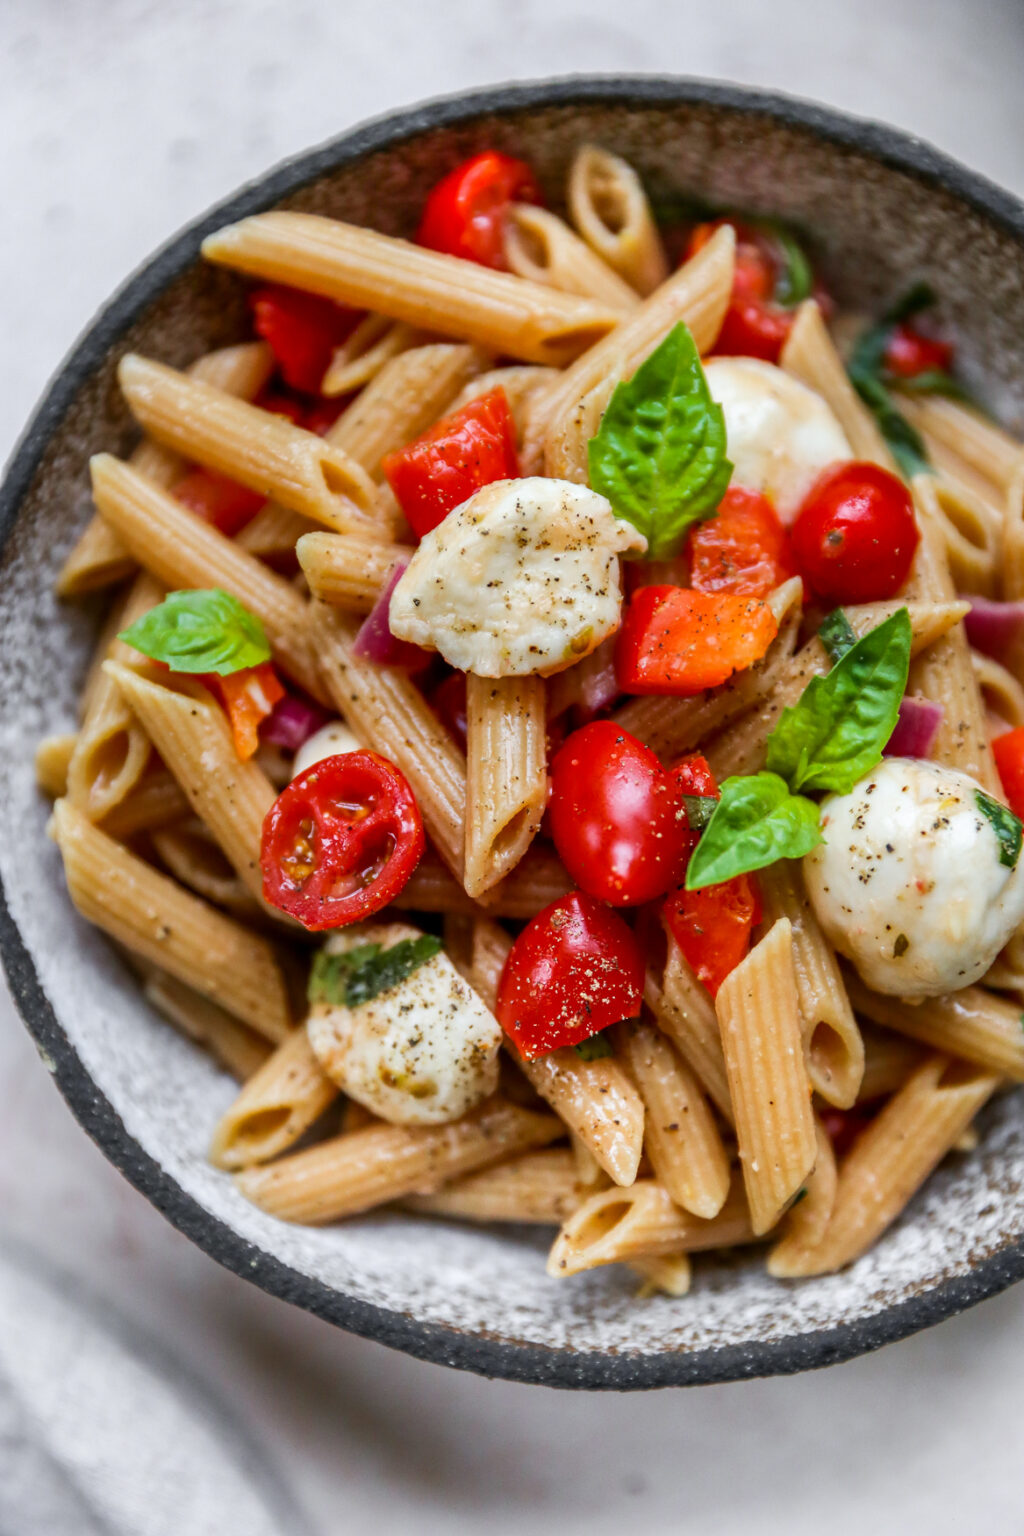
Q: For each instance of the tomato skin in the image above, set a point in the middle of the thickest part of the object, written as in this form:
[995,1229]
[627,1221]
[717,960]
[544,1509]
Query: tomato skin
[754,326]
[574,970]
[340,841]
[742,549]
[855,534]
[1009,755]
[615,816]
[464,214]
[247,698]
[223,503]
[908,353]
[440,470]
[301,329]
[677,641]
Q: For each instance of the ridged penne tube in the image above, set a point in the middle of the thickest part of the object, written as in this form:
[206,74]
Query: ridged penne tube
[259,449]
[971,528]
[685,1012]
[610,209]
[537,880]
[965,432]
[157,919]
[53,756]
[520,383]
[362,355]
[506,775]
[889,1060]
[1012,554]
[971,1023]
[671,726]
[893,1156]
[569,413]
[237,1048]
[810,355]
[681,1137]
[189,853]
[192,735]
[618,1226]
[407,396]
[158,800]
[541,246]
[383,706]
[348,571]
[383,1163]
[740,747]
[113,748]
[806,1220]
[440,293]
[100,557]
[278,1104]
[989,482]
[833,1048]
[274,532]
[1002,694]
[537,1187]
[759,1016]
[663,1274]
[184,552]
[1007,971]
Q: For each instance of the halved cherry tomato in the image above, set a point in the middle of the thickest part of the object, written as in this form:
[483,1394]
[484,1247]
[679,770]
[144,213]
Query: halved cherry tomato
[247,697]
[462,452]
[855,534]
[340,841]
[677,641]
[574,969]
[908,353]
[615,816]
[754,325]
[301,329]
[219,501]
[1009,755]
[742,549]
[464,214]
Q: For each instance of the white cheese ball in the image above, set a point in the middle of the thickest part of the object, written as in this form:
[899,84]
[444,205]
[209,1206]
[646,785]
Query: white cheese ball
[780,435]
[330,740]
[522,578]
[422,1053]
[908,883]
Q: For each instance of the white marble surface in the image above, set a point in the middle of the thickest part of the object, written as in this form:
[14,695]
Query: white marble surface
[118,120]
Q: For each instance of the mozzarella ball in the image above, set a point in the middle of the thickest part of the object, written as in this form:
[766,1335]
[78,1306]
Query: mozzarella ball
[908,883]
[421,1053]
[330,740]
[522,578]
[780,435]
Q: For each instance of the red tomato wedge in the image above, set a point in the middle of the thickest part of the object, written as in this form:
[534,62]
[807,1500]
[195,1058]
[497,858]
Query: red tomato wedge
[223,503]
[302,330]
[674,640]
[340,841]
[743,549]
[248,697]
[754,326]
[908,353]
[440,470]
[574,970]
[855,534]
[1009,756]
[464,214]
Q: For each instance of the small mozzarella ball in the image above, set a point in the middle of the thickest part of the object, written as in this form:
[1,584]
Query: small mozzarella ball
[780,435]
[422,1053]
[522,578]
[329,741]
[908,883]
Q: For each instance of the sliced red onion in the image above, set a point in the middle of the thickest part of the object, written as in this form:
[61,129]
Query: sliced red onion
[994,628]
[918,721]
[600,687]
[291,723]
[376,643]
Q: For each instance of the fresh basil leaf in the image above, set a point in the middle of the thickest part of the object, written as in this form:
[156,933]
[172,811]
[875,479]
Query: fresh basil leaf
[756,822]
[905,441]
[836,733]
[918,297]
[699,810]
[836,635]
[660,453]
[933,381]
[366,971]
[206,631]
[795,281]
[329,973]
[595,1047]
[1006,825]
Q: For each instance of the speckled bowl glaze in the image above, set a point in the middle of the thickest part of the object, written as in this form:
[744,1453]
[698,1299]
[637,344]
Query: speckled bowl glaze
[883,209]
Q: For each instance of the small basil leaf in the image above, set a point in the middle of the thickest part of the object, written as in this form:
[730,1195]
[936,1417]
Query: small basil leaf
[366,971]
[660,453]
[1005,824]
[836,733]
[756,822]
[918,297]
[933,381]
[904,440]
[836,635]
[699,810]
[595,1047]
[329,973]
[204,631]
[795,281]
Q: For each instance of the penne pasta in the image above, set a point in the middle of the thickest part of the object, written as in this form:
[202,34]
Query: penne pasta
[156,801]
[610,209]
[361,356]
[685,1012]
[617,1226]
[1001,693]
[53,757]
[541,246]
[889,1060]
[189,853]
[520,384]
[663,1274]
[971,527]
[972,438]
[807,1219]
[536,1187]
[1011,558]
[277,1106]
[407,396]
[274,533]
[240,1050]
[971,1023]
[537,880]
[346,571]
[506,775]
[810,355]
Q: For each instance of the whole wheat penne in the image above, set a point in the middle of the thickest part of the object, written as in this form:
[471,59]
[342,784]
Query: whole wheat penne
[189,853]
[362,355]
[759,1016]
[237,1048]
[506,775]
[156,918]
[346,571]
[975,439]
[537,880]
[810,355]
[987,479]
[893,1156]
[274,533]
[684,1011]
[971,528]
[406,397]
[807,1218]
[618,1226]
[889,1060]
[53,755]
[1012,551]
[1001,693]
[610,209]
[971,1023]
[439,293]
[520,383]
[536,1187]
[278,1104]
[184,552]
[158,800]
[382,1163]
[663,1274]
[541,246]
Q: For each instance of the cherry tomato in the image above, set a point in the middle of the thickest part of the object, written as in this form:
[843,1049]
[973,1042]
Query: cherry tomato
[219,501]
[742,549]
[677,641]
[754,325]
[247,697]
[340,841]
[302,330]
[908,353]
[574,970]
[855,534]
[464,214]
[615,816]
[1009,755]
[440,470]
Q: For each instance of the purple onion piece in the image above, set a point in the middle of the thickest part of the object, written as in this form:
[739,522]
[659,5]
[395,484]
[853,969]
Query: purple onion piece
[994,628]
[291,723]
[918,721]
[376,643]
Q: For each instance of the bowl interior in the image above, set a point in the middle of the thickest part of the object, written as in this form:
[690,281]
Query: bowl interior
[479,1298]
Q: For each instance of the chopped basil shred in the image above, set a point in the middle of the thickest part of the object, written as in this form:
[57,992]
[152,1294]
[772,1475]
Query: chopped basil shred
[1005,824]
[363,973]
[795,281]
[836,635]
[699,810]
[594,1047]
[203,631]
